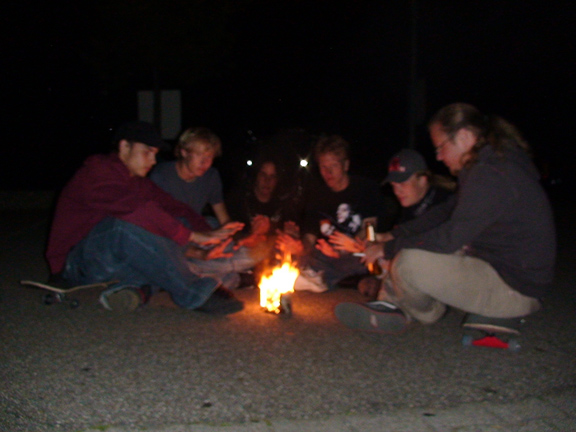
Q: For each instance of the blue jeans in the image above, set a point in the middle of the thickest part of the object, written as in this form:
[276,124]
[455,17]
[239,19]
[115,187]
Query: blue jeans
[225,270]
[335,269]
[119,250]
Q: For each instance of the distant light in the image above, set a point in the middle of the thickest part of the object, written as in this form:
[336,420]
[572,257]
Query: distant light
[249,162]
[303,163]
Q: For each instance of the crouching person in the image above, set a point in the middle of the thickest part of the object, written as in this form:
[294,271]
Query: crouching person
[494,256]
[113,223]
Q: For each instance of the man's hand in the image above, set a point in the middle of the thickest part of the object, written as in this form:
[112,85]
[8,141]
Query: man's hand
[341,241]
[218,251]
[228,230]
[204,238]
[325,247]
[195,252]
[384,237]
[292,229]
[216,236]
[288,244]
[260,225]
[373,252]
[251,241]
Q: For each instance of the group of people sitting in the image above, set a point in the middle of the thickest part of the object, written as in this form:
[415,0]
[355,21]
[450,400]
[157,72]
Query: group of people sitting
[484,244]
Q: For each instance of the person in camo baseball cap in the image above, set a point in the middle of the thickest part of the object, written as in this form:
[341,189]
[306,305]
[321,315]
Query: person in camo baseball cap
[403,164]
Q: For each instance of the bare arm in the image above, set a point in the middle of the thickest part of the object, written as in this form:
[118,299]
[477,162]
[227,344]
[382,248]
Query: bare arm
[221,213]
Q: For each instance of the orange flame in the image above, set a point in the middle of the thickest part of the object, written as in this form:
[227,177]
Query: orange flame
[281,281]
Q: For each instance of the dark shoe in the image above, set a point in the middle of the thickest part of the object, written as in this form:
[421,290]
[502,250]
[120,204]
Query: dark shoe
[381,317]
[221,302]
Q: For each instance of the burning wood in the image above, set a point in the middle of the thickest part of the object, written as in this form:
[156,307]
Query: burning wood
[276,289]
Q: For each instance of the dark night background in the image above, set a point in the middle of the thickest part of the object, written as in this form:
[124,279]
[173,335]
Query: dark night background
[71,71]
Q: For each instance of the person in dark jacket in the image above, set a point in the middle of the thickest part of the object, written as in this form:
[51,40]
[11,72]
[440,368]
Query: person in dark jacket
[418,191]
[494,255]
[113,223]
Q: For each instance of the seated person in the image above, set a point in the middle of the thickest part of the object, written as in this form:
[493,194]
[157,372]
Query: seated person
[417,191]
[494,256]
[192,180]
[260,198]
[113,223]
[340,202]
[262,210]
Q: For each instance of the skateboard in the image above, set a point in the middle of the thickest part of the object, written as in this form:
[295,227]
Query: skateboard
[491,332]
[58,294]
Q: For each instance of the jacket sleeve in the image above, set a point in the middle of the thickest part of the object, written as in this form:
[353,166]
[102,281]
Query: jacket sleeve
[432,218]
[479,203]
[139,201]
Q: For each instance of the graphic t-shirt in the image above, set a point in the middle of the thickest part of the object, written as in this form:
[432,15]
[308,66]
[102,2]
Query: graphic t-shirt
[327,211]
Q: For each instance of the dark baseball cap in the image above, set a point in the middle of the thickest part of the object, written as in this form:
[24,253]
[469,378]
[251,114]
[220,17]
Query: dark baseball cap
[403,164]
[140,131]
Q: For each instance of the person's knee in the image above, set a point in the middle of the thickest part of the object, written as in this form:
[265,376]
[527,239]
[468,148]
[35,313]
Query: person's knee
[409,292]
[404,264]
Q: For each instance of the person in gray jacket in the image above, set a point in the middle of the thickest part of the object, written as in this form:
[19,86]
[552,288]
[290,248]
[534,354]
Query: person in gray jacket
[495,253]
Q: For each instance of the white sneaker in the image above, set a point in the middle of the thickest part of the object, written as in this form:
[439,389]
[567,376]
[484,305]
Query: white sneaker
[309,280]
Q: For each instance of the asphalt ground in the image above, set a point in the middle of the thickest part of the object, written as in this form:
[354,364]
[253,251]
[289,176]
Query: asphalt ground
[164,368]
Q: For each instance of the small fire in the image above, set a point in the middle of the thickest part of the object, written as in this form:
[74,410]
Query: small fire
[281,281]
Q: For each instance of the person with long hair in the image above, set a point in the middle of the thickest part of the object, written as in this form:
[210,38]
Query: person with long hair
[495,254]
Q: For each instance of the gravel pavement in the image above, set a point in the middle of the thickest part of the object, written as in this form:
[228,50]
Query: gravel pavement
[162,368]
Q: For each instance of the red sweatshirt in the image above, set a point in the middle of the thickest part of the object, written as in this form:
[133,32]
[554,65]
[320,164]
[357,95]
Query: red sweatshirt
[103,187]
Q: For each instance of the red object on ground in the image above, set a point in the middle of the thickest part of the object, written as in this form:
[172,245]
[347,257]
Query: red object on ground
[491,342]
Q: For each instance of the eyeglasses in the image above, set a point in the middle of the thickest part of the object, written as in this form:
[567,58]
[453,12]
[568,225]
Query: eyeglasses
[439,147]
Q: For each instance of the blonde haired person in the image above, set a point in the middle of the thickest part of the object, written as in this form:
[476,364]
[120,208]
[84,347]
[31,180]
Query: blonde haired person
[191,178]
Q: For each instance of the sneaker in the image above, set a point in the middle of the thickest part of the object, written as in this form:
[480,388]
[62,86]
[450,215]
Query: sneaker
[310,280]
[381,317]
[124,300]
[221,302]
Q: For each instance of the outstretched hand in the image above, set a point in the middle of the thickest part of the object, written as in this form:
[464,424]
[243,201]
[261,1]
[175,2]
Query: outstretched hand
[228,230]
[341,241]
[260,225]
[251,241]
[218,251]
[373,252]
[325,247]
[288,244]
[216,236]
[193,251]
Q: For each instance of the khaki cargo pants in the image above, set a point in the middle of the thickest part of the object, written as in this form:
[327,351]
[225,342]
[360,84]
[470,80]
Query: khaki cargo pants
[423,283]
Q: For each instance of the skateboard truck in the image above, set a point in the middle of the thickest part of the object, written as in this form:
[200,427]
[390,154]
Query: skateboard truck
[51,298]
[494,332]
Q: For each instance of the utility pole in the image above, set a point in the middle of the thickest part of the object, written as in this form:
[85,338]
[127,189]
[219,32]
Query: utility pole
[414,93]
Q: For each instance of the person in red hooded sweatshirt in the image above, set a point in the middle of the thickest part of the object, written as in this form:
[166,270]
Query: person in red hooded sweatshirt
[113,223]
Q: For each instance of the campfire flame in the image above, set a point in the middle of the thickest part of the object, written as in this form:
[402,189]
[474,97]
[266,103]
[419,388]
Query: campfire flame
[281,281]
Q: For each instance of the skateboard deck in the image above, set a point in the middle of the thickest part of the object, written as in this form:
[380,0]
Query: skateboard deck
[58,294]
[491,332]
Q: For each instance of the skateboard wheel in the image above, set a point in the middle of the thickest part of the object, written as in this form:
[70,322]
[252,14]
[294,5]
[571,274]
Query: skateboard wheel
[467,340]
[48,299]
[514,345]
[74,304]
